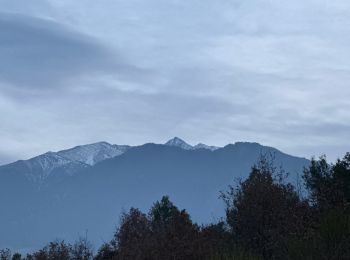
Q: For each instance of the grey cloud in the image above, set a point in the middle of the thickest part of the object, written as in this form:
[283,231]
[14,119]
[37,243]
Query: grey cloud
[115,116]
[212,71]
[40,54]
[27,7]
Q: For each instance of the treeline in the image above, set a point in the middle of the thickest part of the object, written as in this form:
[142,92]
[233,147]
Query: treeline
[266,218]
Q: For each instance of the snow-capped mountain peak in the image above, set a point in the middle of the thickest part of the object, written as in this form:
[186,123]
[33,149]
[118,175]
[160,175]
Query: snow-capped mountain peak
[177,142]
[182,144]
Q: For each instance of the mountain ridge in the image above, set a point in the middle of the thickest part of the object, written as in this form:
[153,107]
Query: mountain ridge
[40,167]
[77,197]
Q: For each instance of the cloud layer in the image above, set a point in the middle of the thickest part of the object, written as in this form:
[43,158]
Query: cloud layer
[211,71]
[41,55]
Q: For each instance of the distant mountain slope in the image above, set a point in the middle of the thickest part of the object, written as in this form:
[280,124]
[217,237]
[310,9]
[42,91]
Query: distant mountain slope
[94,196]
[55,165]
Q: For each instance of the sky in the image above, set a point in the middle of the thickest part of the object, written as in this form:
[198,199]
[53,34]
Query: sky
[134,71]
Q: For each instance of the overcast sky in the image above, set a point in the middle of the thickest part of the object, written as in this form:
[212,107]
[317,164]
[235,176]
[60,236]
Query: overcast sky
[135,71]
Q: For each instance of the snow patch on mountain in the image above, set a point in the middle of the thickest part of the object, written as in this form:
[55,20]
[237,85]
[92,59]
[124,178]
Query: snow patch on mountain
[66,162]
[39,168]
[93,153]
[177,142]
[55,165]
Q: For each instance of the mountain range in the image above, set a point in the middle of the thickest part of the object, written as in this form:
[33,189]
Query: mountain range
[83,190]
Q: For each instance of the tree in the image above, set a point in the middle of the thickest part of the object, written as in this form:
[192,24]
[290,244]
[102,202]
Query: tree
[5,254]
[328,184]
[106,252]
[174,236]
[214,240]
[57,250]
[329,188]
[166,233]
[81,250]
[263,212]
[16,256]
[133,236]
[162,212]
[329,239]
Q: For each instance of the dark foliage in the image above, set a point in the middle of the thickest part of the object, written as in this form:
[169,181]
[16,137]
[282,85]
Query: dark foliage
[263,212]
[17,256]
[59,250]
[81,250]
[166,233]
[329,240]
[173,234]
[132,238]
[214,239]
[106,252]
[329,185]
[5,254]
